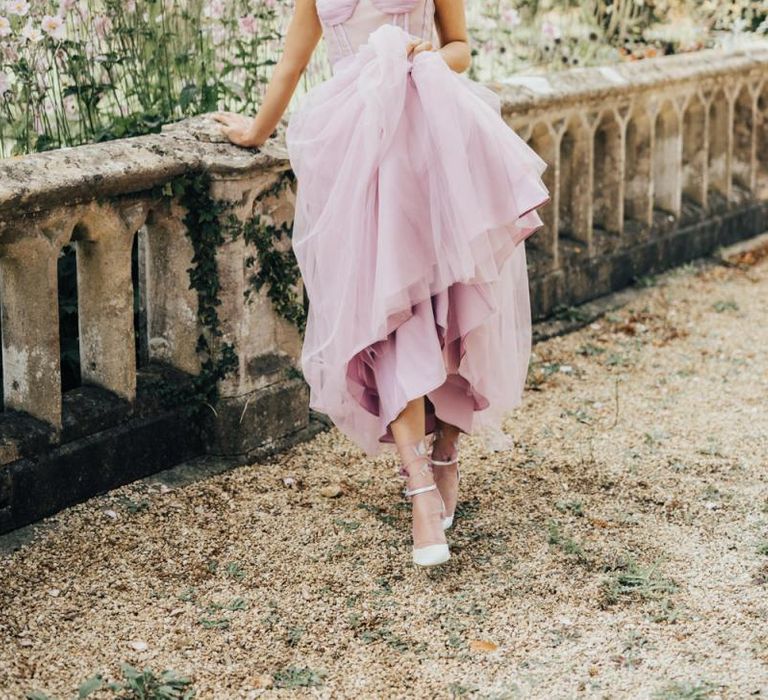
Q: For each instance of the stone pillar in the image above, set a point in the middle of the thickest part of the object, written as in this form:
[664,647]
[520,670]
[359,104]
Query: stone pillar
[695,149]
[609,164]
[576,180]
[104,237]
[30,326]
[744,164]
[544,141]
[720,143]
[667,158]
[172,325]
[638,193]
[264,401]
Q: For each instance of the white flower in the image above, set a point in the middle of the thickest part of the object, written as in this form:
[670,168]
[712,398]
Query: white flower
[65,6]
[511,17]
[214,9]
[17,7]
[5,26]
[31,33]
[5,83]
[54,26]
[550,30]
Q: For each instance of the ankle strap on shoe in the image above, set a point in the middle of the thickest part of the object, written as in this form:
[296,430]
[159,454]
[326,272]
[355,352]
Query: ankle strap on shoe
[441,463]
[422,489]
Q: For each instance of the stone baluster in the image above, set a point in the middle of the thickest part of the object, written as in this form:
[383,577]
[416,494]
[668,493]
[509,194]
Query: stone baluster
[667,156]
[609,169]
[577,179]
[638,193]
[172,325]
[104,236]
[30,323]
[695,157]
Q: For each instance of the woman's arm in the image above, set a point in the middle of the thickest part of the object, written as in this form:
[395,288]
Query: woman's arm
[303,33]
[451,25]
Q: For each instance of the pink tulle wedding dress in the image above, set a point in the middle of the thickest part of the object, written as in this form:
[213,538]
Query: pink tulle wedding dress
[413,201]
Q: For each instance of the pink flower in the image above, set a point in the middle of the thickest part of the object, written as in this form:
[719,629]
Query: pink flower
[31,33]
[65,6]
[130,6]
[102,25]
[550,30]
[214,9]
[53,26]
[511,17]
[17,7]
[5,26]
[248,25]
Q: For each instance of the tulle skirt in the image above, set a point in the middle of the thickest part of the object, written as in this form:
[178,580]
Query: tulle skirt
[413,202]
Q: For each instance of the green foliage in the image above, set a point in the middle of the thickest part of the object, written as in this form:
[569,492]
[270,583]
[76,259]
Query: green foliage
[136,685]
[277,270]
[146,685]
[631,580]
[206,233]
[296,677]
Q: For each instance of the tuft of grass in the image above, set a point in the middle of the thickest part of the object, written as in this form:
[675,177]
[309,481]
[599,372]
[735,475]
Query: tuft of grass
[132,506]
[686,691]
[346,525]
[136,685]
[234,570]
[379,513]
[631,580]
[725,305]
[762,548]
[574,507]
[146,685]
[565,543]
[298,677]
[217,623]
[590,350]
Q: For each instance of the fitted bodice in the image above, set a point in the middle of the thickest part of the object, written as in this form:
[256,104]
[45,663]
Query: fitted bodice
[347,23]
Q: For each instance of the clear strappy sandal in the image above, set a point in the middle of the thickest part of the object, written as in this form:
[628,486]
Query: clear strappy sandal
[454,459]
[430,551]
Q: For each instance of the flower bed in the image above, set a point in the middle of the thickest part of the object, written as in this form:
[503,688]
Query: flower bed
[80,71]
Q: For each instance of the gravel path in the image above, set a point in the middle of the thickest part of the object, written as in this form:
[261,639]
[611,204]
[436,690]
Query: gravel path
[620,551]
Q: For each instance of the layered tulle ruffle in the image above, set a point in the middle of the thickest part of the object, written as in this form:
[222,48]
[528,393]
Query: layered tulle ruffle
[412,190]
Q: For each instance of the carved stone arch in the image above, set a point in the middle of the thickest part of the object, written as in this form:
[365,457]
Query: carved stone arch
[743,165]
[576,188]
[695,150]
[609,163]
[543,139]
[667,155]
[638,181]
[761,146]
[720,140]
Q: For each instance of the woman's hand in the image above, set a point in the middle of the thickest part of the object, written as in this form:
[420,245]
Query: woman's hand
[417,46]
[238,129]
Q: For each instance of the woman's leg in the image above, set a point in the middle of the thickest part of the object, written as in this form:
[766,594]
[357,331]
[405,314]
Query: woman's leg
[444,449]
[427,507]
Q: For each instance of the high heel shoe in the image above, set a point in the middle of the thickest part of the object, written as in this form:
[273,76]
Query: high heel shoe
[438,434]
[427,551]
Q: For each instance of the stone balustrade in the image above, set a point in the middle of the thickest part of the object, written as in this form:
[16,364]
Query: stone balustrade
[651,164]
